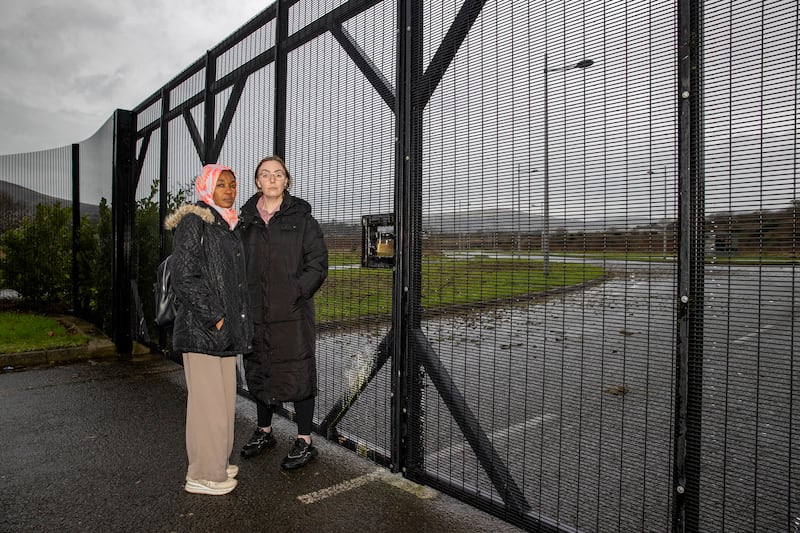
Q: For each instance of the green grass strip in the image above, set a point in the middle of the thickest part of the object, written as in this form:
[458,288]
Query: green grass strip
[22,332]
[357,292]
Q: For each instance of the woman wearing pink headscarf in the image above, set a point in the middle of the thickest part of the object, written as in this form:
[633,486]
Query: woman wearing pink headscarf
[212,324]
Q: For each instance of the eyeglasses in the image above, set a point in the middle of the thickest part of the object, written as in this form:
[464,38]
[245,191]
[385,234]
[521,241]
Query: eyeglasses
[278,175]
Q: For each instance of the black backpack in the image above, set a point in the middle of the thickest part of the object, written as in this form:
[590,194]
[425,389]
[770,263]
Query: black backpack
[165,297]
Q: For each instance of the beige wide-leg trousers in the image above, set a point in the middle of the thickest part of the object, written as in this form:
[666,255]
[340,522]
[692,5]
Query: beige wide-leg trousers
[210,411]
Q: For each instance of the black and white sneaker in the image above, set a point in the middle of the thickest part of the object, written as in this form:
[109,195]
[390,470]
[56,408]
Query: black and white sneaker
[258,443]
[300,454]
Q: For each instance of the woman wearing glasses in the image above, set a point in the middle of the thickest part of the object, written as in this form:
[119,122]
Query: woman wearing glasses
[287,262]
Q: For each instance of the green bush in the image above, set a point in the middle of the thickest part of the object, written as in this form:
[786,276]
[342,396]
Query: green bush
[145,245]
[38,256]
[95,259]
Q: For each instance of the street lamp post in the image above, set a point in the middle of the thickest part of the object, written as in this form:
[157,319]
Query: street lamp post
[519,209]
[665,214]
[583,64]
[519,205]
[664,223]
[461,224]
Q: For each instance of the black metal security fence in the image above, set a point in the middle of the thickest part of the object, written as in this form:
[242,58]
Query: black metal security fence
[590,214]
[57,230]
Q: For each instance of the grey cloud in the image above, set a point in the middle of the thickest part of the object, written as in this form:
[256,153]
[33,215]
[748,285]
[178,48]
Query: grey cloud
[35,128]
[66,64]
[99,86]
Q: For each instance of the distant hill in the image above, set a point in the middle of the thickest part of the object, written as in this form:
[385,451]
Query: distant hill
[499,221]
[23,201]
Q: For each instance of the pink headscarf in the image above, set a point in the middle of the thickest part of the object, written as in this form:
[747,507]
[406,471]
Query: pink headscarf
[204,187]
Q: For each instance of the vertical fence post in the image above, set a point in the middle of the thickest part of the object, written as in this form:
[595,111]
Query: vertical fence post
[281,59]
[413,230]
[400,345]
[406,299]
[691,259]
[208,107]
[123,205]
[163,188]
[76,227]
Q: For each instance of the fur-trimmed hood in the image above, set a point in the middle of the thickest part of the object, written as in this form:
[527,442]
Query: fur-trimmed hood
[205,213]
[208,270]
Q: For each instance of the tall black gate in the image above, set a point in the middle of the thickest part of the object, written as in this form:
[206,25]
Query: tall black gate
[589,211]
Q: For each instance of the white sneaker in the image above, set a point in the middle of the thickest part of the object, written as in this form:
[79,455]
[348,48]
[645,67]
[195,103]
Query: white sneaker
[232,471]
[214,488]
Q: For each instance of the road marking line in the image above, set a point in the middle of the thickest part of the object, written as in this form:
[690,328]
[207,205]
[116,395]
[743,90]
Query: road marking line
[499,436]
[333,490]
[521,427]
[396,480]
[749,336]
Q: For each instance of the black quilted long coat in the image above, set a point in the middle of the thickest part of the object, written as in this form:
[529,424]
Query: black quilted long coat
[208,278]
[287,262]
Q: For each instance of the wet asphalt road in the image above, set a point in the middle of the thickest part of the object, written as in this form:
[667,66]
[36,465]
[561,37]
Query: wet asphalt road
[98,446]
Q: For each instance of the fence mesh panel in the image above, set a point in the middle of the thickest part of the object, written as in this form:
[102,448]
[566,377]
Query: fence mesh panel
[749,381]
[544,312]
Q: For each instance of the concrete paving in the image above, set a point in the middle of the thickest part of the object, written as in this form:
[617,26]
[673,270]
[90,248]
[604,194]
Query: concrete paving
[98,445]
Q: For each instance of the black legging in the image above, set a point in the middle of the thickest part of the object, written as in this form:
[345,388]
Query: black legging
[303,415]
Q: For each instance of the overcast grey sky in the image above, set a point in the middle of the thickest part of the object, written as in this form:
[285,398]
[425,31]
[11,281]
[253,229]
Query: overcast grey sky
[612,127]
[67,65]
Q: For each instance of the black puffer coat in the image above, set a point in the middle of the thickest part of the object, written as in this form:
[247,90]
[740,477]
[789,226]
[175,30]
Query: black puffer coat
[287,262]
[209,284]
